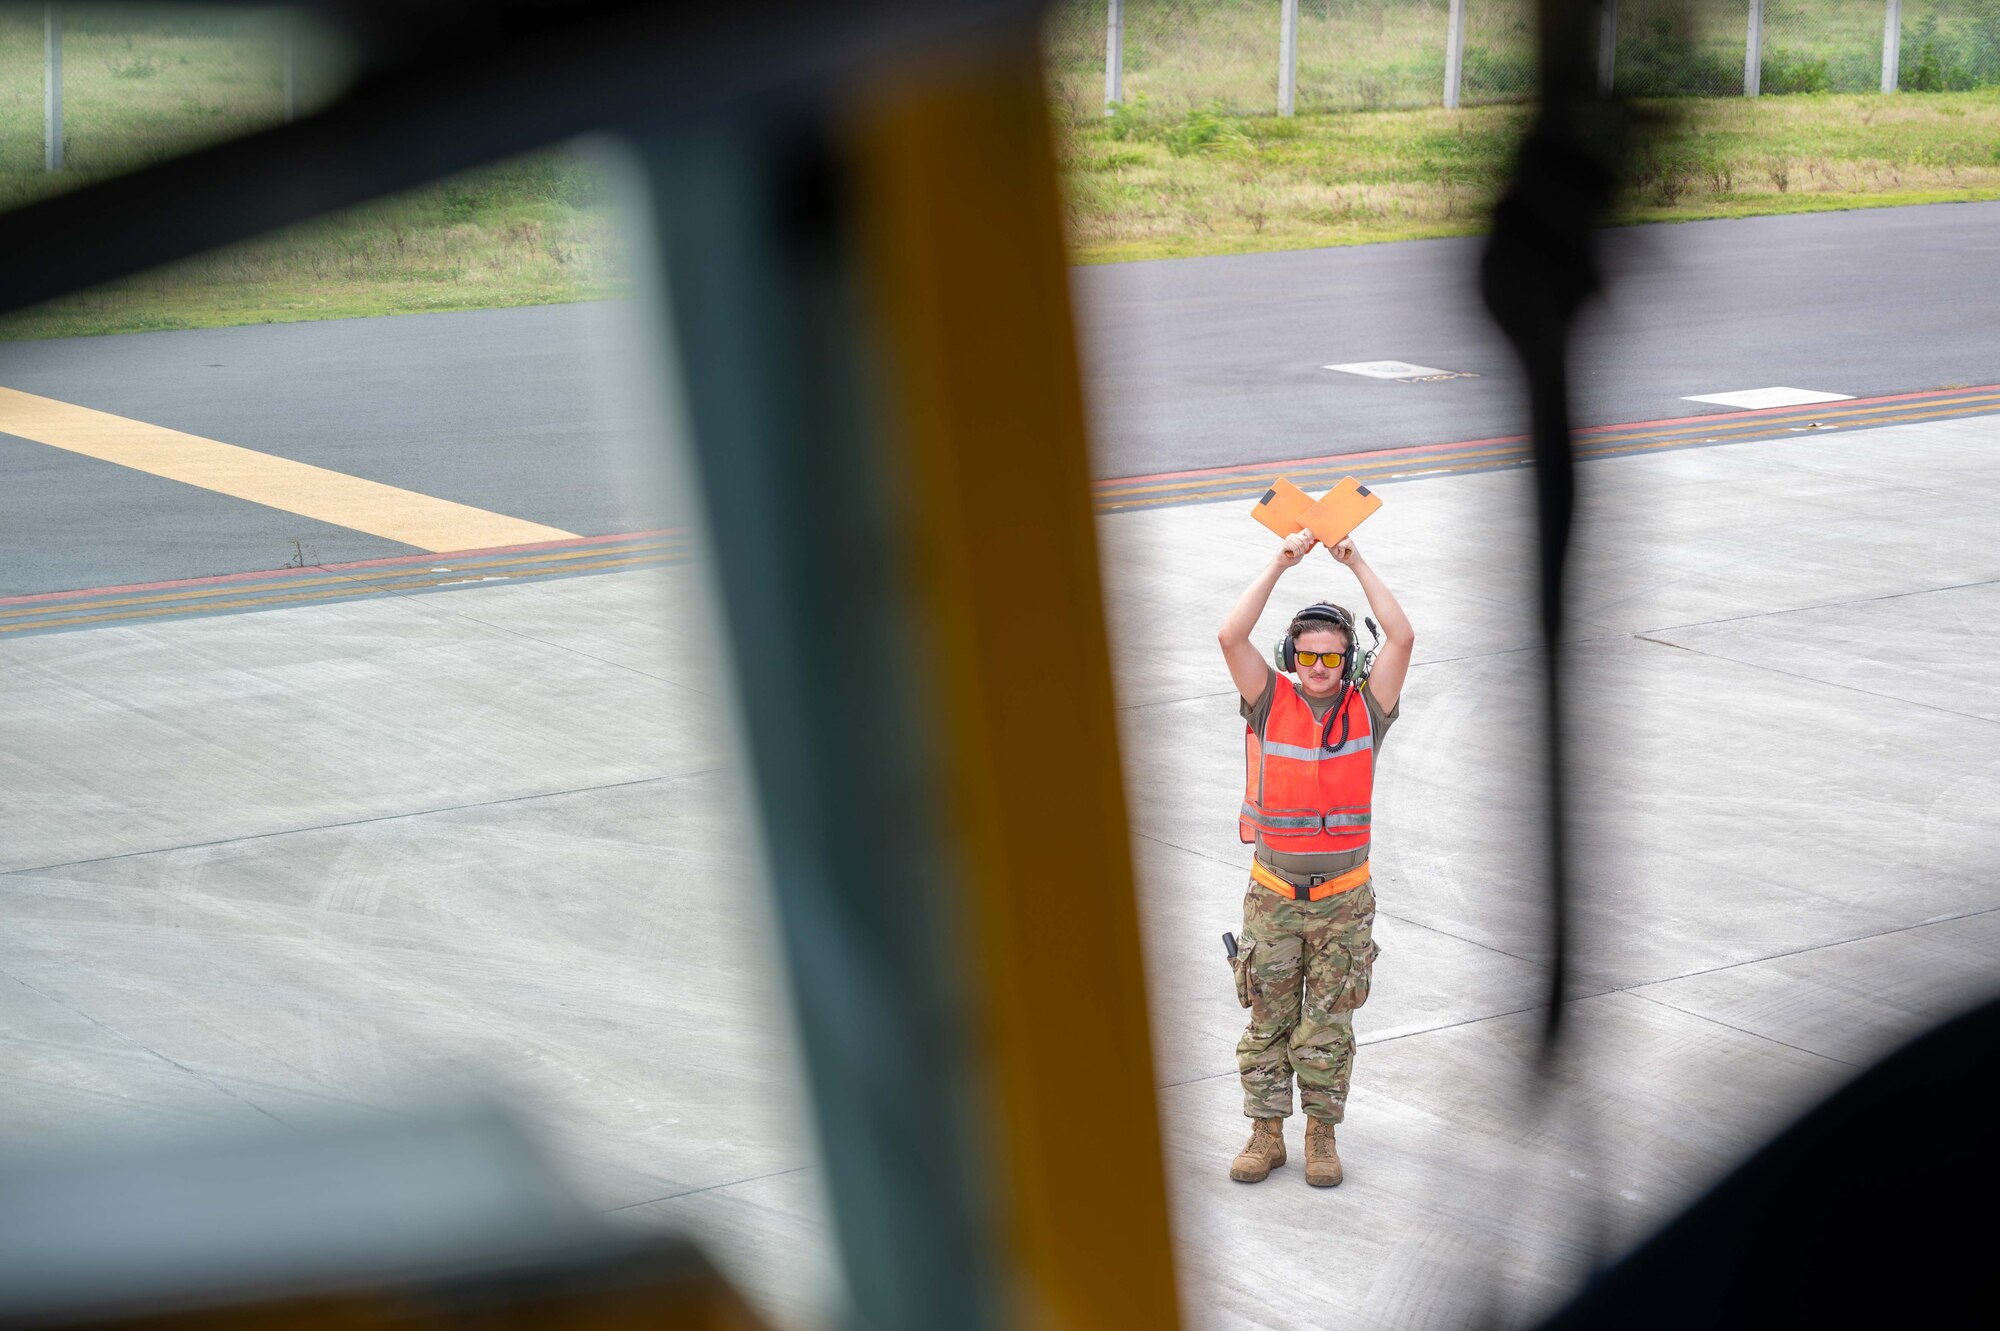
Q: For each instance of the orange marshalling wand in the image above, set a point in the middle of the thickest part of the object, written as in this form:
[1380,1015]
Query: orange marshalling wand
[1285,509]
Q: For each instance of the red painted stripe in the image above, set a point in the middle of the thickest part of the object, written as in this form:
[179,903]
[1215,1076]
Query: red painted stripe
[393,561]
[1808,409]
[1269,468]
[1416,450]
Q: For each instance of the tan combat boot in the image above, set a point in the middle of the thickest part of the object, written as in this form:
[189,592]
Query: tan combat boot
[1265,1152]
[1322,1161]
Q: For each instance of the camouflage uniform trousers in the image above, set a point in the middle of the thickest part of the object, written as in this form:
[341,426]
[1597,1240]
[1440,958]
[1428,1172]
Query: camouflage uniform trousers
[1303,967]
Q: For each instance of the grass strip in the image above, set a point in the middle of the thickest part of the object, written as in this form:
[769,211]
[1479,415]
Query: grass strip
[1144,187]
[540,230]
[533,231]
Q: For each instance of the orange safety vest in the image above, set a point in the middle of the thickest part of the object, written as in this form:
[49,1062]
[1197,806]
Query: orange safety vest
[1298,795]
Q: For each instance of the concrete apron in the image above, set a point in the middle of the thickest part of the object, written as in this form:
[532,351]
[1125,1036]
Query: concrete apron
[282,864]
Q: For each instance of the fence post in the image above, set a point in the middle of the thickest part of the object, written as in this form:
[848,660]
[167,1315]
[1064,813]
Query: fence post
[291,69]
[1892,46]
[1753,51]
[1607,48]
[1288,55]
[1114,54]
[52,112]
[1454,53]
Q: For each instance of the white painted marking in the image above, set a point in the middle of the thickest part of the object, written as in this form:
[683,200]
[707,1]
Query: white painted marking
[1749,398]
[1385,369]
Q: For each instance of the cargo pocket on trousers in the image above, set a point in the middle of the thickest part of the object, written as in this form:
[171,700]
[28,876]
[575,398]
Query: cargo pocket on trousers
[1360,977]
[1240,963]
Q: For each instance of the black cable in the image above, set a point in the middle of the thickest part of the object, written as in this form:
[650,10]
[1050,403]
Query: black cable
[1340,709]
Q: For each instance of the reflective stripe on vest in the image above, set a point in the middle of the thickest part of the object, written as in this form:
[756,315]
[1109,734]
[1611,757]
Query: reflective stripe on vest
[1318,755]
[1306,819]
[1300,797]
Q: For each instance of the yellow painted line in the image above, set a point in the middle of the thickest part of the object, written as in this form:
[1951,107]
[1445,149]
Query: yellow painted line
[1587,446]
[1451,463]
[1149,498]
[428,523]
[354,592]
[381,580]
[1865,422]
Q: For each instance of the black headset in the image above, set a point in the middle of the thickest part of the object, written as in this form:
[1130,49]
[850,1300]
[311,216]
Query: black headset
[1353,667]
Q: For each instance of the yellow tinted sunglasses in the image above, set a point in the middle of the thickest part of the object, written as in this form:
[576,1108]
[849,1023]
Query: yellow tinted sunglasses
[1332,659]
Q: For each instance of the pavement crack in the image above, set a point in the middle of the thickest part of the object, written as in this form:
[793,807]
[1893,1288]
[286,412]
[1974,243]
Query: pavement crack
[1828,683]
[415,601]
[1446,933]
[1213,858]
[1802,951]
[1171,702]
[1391,1039]
[357,822]
[588,656]
[1469,1021]
[1740,1030]
[1631,990]
[712,1187]
[126,1038]
[1820,605]
[1196,1081]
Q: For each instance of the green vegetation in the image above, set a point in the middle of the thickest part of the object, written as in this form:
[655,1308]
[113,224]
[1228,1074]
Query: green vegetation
[1190,164]
[142,84]
[1146,185]
[530,232]
[1385,54]
[1942,57]
[1223,54]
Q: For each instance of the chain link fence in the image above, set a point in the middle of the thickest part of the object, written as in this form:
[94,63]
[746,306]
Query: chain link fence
[1368,55]
[1822,46]
[21,93]
[1178,54]
[1949,45]
[1224,55]
[1499,59]
[1666,48]
[1073,57]
[139,83]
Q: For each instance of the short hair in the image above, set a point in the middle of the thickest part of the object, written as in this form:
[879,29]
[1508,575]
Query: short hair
[1303,624]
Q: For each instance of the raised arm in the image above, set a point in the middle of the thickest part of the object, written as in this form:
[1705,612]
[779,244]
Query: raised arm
[1392,663]
[1246,663]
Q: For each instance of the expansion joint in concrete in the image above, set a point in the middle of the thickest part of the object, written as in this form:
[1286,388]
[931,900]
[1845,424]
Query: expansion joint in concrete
[1174,702]
[1803,951]
[1400,919]
[1817,606]
[145,1048]
[1828,683]
[1740,1030]
[355,822]
[712,1187]
[418,603]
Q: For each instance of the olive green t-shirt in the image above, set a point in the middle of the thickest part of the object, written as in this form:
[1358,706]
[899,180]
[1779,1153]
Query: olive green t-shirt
[1258,714]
